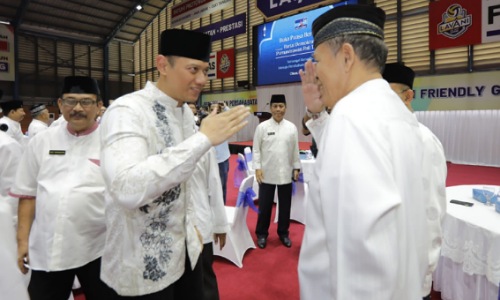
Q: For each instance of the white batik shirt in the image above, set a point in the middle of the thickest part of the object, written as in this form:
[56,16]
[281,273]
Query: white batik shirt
[14,130]
[10,152]
[366,234]
[61,170]
[35,127]
[276,151]
[206,192]
[149,151]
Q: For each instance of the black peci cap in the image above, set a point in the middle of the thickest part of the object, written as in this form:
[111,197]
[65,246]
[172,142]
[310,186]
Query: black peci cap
[185,43]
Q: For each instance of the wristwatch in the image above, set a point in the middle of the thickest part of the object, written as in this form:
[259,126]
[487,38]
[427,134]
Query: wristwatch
[312,115]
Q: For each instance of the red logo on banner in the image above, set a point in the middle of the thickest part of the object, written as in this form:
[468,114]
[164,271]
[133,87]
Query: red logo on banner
[454,23]
[4,46]
[225,63]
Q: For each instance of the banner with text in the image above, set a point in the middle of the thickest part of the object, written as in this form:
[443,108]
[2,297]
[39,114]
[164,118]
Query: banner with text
[226,28]
[247,98]
[195,9]
[470,91]
[454,23]
[7,62]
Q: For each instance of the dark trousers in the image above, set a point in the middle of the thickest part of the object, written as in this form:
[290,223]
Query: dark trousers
[57,285]
[266,200]
[210,288]
[428,297]
[188,287]
[223,171]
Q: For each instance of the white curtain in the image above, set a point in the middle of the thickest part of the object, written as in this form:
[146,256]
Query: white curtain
[469,137]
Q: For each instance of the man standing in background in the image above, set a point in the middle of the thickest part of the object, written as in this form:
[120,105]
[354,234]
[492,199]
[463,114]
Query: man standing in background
[400,78]
[366,235]
[222,154]
[13,114]
[40,115]
[276,162]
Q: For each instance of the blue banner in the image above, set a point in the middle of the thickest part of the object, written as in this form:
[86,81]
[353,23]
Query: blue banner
[271,8]
[226,28]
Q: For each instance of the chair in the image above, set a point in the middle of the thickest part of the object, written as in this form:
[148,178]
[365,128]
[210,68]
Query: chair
[299,203]
[238,239]
[241,170]
[251,171]
[249,158]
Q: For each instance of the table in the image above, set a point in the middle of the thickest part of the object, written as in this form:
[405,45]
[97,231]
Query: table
[469,266]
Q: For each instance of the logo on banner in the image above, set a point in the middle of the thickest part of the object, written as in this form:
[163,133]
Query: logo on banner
[455,22]
[300,23]
[225,63]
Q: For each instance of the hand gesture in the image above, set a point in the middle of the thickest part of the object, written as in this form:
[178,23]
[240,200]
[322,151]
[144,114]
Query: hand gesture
[220,127]
[310,88]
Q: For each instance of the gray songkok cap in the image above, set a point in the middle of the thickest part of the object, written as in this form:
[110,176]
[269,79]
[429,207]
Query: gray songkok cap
[36,109]
[349,19]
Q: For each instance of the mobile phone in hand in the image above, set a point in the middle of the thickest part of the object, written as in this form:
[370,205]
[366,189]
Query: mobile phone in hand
[464,203]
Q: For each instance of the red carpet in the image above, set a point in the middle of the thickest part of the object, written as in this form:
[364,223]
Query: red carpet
[271,273]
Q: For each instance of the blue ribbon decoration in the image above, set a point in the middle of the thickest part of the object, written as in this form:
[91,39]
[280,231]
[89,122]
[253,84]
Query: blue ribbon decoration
[240,172]
[294,185]
[242,166]
[246,199]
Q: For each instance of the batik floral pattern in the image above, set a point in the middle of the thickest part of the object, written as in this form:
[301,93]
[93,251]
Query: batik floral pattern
[157,241]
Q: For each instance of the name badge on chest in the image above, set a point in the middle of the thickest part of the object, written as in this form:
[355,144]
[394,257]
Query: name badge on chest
[271,133]
[57,152]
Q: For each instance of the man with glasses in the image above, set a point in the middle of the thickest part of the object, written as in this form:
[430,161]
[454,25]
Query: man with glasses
[61,230]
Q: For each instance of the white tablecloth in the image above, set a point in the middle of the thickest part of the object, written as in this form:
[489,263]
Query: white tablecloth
[469,267]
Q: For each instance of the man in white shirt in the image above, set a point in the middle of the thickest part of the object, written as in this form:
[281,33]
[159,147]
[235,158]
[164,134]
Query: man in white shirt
[211,214]
[276,162]
[11,279]
[60,188]
[400,78]
[149,151]
[222,154]
[13,114]
[366,232]
[40,120]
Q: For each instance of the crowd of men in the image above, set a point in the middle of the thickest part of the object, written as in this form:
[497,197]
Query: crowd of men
[129,202]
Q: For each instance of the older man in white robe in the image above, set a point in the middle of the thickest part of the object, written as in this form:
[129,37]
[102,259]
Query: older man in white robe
[366,235]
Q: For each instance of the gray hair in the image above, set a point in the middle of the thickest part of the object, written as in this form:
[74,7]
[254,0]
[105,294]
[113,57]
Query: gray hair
[370,49]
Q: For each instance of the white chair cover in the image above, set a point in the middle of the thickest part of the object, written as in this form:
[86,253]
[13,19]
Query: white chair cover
[238,239]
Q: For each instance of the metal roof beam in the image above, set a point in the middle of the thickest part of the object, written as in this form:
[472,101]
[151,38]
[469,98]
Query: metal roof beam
[21,11]
[60,37]
[122,23]
[70,10]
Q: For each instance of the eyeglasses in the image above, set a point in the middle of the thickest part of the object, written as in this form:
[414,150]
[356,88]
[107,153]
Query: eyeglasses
[86,102]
